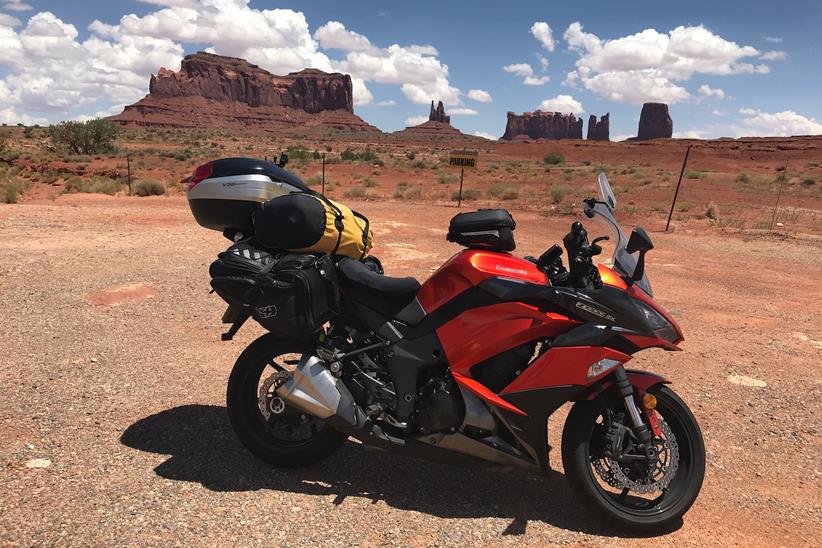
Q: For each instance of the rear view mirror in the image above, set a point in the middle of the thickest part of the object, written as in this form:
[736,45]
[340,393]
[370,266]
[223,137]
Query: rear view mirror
[639,241]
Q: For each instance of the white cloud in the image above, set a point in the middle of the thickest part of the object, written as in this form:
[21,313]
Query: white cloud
[562,103]
[646,66]
[719,112]
[389,103]
[774,55]
[415,120]
[786,123]
[690,134]
[8,21]
[362,95]
[535,80]
[773,39]
[520,69]
[543,61]
[334,35]
[462,112]
[9,116]
[542,32]
[707,91]
[479,95]
[527,72]
[621,137]
[16,5]
[484,135]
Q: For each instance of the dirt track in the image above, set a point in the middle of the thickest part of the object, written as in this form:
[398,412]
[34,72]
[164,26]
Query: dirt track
[112,370]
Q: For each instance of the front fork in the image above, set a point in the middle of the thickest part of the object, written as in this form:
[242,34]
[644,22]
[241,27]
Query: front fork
[626,391]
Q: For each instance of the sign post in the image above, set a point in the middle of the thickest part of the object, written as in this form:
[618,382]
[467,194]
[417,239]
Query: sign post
[462,159]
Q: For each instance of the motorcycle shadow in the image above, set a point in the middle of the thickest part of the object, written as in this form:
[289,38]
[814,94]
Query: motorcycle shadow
[202,448]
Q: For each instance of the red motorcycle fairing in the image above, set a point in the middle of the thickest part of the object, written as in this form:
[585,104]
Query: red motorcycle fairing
[564,366]
[481,333]
[470,267]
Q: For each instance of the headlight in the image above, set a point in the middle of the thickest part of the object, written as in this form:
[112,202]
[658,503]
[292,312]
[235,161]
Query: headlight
[658,324]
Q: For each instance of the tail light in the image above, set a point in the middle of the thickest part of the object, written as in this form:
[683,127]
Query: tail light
[202,172]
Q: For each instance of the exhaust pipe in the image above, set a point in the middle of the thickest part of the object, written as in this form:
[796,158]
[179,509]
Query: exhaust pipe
[314,390]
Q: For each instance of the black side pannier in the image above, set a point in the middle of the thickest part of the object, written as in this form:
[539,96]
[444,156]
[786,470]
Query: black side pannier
[291,295]
[491,229]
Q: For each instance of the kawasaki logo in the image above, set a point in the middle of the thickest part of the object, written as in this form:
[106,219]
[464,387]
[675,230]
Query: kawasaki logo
[511,270]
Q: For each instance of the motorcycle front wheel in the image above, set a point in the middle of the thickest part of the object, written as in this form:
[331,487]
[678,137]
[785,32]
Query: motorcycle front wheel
[634,496]
[273,431]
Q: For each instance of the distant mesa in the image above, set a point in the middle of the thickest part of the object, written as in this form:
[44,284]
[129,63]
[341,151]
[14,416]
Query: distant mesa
[214,91]
[655,122]
[599,131]
[438,123]
[542,125]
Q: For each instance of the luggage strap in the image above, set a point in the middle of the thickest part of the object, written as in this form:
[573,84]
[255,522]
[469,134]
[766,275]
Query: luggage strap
[364,233]
[338,217]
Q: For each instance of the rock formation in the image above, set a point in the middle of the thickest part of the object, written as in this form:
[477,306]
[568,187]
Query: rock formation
[215,91]
[438,124]
[438,114]
[542,125]
[599,131]
[655,122]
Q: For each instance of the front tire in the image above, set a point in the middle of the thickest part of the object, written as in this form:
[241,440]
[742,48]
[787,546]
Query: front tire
[580,445]
[316,441]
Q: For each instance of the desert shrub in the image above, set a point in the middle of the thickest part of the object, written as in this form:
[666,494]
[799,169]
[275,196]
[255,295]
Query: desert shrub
[11,192]
[355,192]
[586,162]
[419,164]
[4,140]
[299,152]
[315,180]
[97,185]
[685,206]
[28,133]
[348,155]
[368,155]
[149,188]
[368,182]
[467,194]
[405,191]
[713,211]
[808,181]
[411,155]
[743,178]
[88,137]
[557,194]
[695,175]
[554,158]
[503,191]
[443,177]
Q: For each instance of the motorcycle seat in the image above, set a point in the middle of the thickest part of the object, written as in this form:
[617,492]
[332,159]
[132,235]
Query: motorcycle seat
[360,276]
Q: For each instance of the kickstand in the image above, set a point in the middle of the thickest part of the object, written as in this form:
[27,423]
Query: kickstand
[228,335]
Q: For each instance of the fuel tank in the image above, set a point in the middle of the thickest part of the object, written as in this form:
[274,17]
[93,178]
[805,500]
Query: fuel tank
[469,268]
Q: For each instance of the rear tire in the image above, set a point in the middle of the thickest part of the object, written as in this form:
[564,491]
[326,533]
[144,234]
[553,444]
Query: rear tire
[248,421]
[638,515]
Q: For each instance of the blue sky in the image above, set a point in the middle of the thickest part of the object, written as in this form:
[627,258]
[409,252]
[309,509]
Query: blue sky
[725,70]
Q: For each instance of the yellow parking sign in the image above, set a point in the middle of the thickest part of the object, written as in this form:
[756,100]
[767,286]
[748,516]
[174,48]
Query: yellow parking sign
[463,159]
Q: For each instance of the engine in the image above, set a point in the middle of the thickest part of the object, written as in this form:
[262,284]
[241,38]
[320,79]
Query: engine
[441,408]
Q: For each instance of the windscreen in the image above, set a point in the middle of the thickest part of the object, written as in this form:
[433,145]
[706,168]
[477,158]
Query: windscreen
[623,262]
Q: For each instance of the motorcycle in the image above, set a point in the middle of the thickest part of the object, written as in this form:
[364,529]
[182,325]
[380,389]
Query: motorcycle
[467,367]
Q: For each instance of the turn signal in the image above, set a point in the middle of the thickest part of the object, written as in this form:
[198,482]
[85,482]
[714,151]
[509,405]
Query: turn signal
[649,401]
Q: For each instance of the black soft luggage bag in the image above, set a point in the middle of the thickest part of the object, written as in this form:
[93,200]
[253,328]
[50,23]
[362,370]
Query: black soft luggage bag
[491,229]
[291,295]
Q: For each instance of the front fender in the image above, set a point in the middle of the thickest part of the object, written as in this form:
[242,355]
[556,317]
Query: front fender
[641,380]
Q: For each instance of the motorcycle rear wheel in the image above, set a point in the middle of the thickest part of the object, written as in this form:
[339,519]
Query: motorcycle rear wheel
[660,510]
[305,442]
